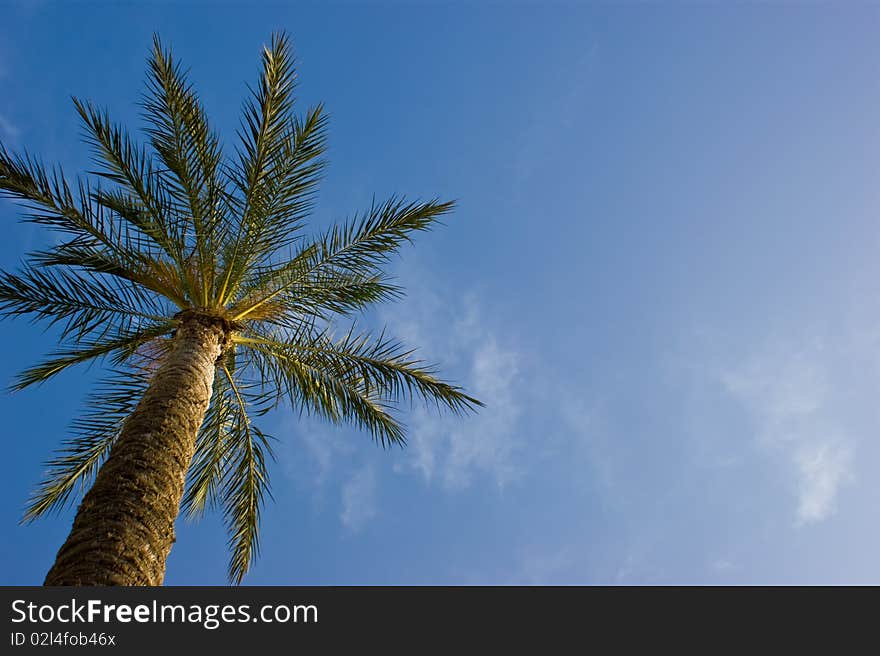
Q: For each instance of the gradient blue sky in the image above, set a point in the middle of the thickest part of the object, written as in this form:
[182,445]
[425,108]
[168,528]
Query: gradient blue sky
[662,279]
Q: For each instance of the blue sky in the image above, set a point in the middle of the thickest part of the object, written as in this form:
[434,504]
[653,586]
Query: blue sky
[662,279]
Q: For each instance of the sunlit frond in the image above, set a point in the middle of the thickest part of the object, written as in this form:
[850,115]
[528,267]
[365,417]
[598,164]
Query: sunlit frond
[319,292]
[276,168]
[357,247]
[190,150]
[156,275]
[367,242]
[357,378]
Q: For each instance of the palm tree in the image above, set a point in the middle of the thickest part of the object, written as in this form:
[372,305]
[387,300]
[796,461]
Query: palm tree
[188,274]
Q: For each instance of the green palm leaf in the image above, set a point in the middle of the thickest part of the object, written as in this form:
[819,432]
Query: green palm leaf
[94,433]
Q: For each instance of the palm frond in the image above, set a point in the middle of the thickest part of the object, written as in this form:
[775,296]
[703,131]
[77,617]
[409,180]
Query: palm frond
[333,292]
[335,395]
[276,168]
[285,199]
[147,206]
[298,289]
[360,247]
[373,364]
[230,468]
[85,304]
[119,344]
[386,365]
[155,275]
[50,200]
[185,143]
[367,242]
[94,433]
[245,485]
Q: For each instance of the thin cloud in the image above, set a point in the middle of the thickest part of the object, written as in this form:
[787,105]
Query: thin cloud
[359,499]
[823,468]
[454,451]
[788,395]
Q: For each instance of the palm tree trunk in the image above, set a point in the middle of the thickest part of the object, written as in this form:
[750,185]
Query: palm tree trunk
[124,527]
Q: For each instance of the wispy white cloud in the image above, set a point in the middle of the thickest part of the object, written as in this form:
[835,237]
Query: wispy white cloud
[359,499]
[489,441]
[443,448]
[788,395]
[822,467]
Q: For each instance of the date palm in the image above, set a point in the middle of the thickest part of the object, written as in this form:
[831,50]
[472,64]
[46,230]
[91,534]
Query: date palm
[189,276]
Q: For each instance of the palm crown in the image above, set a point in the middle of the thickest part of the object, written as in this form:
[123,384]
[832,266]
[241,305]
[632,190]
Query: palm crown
[176,229]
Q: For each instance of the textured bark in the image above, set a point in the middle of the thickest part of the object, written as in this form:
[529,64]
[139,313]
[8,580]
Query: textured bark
[124,527]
